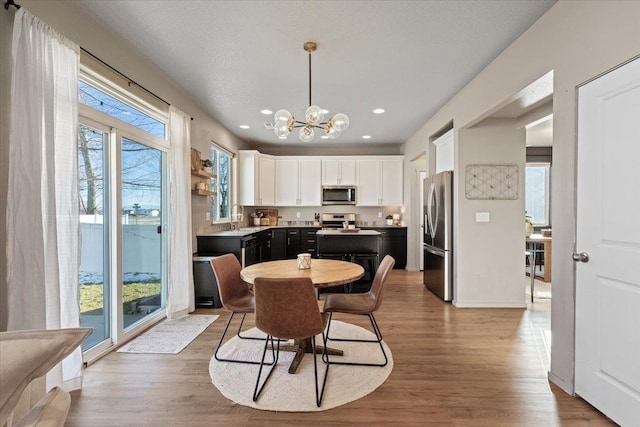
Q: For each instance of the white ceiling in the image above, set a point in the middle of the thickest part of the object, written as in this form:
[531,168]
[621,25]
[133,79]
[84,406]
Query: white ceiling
[238,57]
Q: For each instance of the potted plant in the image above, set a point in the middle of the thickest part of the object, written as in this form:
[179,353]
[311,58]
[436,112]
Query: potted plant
[206,163]
[389,219]
[528,225]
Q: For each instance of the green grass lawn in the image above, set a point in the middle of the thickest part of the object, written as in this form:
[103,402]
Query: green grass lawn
[91,295]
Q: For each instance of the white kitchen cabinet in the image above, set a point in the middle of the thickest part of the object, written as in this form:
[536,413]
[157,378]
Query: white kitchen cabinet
[339,171]
[257,178]
[297,181]
[380,181]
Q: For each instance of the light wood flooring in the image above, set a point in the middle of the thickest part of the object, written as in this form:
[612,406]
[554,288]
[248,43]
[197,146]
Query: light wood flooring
[452,367]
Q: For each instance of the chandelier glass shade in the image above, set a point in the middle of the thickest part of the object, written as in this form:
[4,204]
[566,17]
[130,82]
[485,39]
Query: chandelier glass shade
[284,122]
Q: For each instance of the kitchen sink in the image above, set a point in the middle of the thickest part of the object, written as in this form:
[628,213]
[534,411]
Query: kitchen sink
[249,229]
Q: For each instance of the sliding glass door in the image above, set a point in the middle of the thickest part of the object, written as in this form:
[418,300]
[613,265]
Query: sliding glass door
[122,155]
[95,289]
[142,242]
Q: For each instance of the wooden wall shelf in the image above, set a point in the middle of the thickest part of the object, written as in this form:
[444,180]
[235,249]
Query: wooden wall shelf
[203,193]
[203,174]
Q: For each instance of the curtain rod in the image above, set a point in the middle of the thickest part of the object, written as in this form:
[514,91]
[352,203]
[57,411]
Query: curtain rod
[9,3]
[131,81]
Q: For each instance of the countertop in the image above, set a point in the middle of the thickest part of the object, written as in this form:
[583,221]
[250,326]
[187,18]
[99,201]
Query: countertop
[246,231]
[341,233]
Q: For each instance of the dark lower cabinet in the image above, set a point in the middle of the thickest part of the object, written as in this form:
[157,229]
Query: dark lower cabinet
[394,243]
[308,241]
[293,242]
[279,244]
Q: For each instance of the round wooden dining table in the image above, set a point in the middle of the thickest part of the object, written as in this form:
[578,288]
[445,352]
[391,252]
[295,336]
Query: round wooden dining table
[323,273]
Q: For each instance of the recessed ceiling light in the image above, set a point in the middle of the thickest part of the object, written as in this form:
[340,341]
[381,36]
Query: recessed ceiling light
[266,111]
[282,137]
[244,126]
[324,137]
[378,111]
[366,136]
[324,111]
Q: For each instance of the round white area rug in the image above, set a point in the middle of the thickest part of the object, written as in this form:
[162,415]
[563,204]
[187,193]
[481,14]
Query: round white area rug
[296,392]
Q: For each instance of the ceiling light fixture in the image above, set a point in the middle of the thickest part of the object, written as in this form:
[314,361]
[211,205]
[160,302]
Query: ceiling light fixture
[378,111]
[244,126]
[266,111]
[366,136]
[284,122]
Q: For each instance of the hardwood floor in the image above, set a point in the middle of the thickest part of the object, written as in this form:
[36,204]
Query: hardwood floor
[452,367]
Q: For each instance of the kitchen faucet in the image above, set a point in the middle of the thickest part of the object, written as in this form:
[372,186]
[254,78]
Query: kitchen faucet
[238,206]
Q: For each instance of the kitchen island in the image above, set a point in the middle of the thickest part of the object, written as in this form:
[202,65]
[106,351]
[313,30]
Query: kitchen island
[359,246]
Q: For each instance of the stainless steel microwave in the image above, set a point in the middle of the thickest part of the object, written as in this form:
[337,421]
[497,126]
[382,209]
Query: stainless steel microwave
[338,195]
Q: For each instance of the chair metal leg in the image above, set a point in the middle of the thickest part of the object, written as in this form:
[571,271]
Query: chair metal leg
[320,395]
[251,362]
[245,337]
[532,265]
[378,340]
[256,391]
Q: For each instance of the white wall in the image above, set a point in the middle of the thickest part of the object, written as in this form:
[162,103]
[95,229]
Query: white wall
[489,256]
[578,41]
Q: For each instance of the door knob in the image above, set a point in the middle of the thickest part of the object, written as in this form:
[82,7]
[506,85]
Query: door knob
[581,257]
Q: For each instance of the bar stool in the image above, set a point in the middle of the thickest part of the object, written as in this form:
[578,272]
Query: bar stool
[339,257]
[372,260]
[532,268]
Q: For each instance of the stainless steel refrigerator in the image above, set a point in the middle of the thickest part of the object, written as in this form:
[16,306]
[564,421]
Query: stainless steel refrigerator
[438,236]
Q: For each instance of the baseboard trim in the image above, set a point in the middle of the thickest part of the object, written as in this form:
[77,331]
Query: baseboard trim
[565,386]
[476,304]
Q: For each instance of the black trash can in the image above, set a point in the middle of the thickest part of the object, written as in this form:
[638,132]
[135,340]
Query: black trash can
[206,287]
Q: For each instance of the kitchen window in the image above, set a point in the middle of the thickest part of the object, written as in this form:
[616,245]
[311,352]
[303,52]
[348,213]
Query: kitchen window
[221,184]
[538,187]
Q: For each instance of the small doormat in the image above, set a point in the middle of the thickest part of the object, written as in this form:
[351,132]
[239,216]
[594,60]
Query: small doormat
[170,336]
[296,392]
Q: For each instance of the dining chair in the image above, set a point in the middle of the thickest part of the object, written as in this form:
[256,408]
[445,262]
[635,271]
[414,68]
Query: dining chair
[235,296]
[362,304]
[288,309]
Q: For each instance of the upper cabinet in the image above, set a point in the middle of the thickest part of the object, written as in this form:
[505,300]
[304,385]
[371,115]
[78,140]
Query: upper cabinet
[298,181]
[339,171]
[266,180]
[380,181]
[257,178]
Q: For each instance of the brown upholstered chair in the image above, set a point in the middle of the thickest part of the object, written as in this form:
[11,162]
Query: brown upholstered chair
[235,296]
[364,304]
[288,309]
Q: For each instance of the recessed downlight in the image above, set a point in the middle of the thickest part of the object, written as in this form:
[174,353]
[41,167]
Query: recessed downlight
[282,137]
[378,111]
[244,126]
[324,137]
[266,111]
[366,136]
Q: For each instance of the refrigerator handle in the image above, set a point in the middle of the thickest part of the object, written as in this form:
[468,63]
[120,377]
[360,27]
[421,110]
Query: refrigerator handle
[428,218]
[430,206]
[436,206]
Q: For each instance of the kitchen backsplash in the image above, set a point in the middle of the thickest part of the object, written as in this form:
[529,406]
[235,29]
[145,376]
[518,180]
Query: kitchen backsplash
[365,216]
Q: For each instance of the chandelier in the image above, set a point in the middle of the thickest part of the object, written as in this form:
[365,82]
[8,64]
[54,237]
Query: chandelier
[284,122]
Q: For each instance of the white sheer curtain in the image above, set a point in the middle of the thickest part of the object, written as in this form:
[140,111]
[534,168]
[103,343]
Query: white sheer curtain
[181,298]
[42,203]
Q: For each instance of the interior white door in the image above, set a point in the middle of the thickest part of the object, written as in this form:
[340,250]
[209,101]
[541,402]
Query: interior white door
[608,284]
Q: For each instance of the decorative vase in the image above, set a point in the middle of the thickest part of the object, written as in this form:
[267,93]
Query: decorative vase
[528,229]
